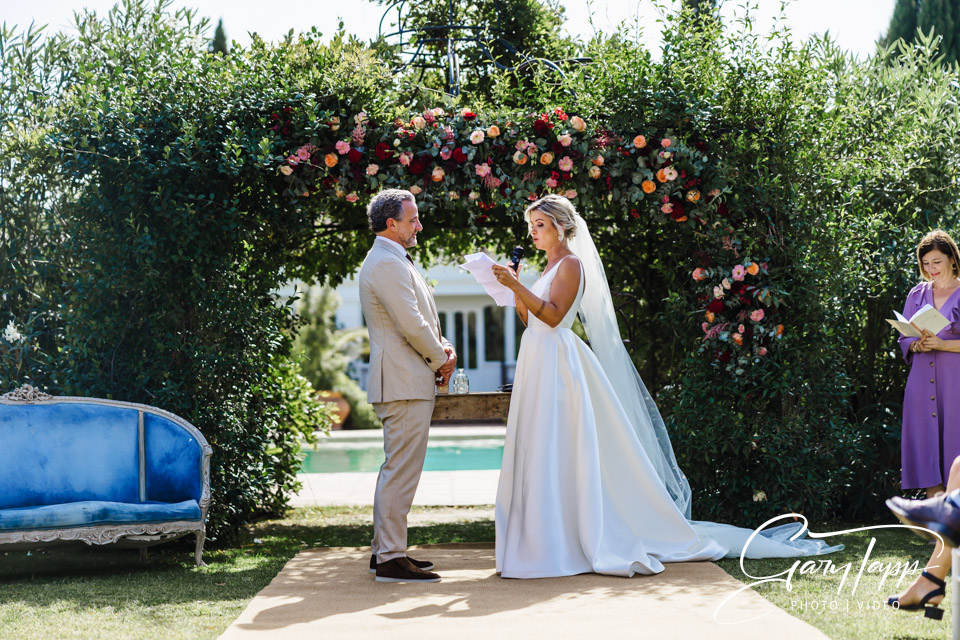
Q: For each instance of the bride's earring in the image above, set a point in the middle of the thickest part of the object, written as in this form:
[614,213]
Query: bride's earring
[560,236]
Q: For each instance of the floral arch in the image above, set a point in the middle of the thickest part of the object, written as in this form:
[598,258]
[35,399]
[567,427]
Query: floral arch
[480,173]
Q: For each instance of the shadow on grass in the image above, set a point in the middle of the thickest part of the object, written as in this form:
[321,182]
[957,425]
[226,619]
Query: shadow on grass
[96,577]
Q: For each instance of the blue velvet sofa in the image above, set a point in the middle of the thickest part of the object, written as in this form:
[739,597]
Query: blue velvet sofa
[85,470]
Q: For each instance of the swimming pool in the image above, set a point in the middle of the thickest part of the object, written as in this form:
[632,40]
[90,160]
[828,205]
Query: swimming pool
[459,451]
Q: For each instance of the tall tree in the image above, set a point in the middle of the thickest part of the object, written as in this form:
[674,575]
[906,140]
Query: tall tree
[941,16]
[219,44]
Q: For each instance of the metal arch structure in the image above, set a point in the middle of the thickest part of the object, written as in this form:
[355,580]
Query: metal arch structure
[412,41]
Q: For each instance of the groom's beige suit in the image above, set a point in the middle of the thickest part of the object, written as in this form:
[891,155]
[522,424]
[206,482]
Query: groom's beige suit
[406,349]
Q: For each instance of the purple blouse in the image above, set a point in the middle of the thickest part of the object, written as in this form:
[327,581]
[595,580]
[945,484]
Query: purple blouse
[931,403]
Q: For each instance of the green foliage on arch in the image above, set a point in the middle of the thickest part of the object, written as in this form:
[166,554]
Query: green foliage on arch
[146,223]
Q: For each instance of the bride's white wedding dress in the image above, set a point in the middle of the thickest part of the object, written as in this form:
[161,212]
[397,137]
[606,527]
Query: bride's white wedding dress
[584,487]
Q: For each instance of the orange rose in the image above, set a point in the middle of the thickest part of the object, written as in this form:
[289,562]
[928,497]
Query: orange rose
[682,219]
[640,142]
[738,338]
[649,186]
[598,161]
[546,158]
[753,269]
[693,195]
[520,158]
[331,160]
[661,176]
[779,329]
[594,172]
[493,131]
[710,316]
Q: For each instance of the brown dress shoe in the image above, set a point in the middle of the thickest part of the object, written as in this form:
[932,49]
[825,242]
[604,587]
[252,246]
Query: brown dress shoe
[426,565]
[402,570]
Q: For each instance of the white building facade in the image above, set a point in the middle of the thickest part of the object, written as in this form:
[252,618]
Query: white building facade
[485,335]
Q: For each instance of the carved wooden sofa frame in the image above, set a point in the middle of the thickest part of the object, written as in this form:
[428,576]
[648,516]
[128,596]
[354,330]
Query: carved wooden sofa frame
[84,508]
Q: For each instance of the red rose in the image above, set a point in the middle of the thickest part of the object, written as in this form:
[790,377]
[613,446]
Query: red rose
[566,175]
[459,156]
[417,166]
[723,210]
[383,151]
[354,156]
[634,213]
[723,356]
[716,306]
[469,115]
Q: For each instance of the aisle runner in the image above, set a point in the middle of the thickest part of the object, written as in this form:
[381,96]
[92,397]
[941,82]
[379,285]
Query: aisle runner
[328,593]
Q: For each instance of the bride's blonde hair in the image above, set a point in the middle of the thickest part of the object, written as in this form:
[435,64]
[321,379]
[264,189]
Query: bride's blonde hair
[559,210]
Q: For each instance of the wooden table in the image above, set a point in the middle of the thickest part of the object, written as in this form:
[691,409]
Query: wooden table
[471,407]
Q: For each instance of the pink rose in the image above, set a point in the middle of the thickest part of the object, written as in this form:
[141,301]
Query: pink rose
[757,315]
[302,154]
[473,195]
[551,183]
[566,139]
[741,329]
[342,147]
[761,351]
[718,292]
[670,173]
[405,158]
[667,208]
[453,195]
[570,194]
[665,143]
[352,197]
[286,169]
[418,122]
[415,189]
[705,326]
[445,153]
[566,163]
[738,272]
[372,169]
[577,123]
[477,137]
[483,170]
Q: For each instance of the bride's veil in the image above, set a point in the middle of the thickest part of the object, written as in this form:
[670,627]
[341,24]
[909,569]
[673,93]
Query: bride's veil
[600,322]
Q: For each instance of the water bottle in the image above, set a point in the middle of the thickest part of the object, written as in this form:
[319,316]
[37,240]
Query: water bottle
[460,382]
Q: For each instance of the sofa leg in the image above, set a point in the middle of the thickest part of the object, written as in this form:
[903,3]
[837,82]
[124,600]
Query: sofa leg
[201,536]
[143,555]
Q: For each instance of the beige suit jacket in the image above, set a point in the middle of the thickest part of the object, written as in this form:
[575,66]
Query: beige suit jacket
[406,345]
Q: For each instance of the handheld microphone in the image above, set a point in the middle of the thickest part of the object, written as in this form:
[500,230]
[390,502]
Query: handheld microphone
[515,258]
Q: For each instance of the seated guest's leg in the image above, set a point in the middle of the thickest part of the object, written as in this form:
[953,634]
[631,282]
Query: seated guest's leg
[939,563]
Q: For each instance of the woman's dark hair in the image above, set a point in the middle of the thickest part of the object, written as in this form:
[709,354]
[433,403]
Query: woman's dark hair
[938,240]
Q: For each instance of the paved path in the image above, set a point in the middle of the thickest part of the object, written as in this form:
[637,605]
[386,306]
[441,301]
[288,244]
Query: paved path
[449,488]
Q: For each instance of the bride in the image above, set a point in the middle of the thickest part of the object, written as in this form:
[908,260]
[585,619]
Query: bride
[589,481]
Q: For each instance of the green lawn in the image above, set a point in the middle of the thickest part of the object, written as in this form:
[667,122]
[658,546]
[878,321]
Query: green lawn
[92,594]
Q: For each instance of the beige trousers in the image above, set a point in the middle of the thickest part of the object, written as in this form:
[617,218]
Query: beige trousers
[406,424]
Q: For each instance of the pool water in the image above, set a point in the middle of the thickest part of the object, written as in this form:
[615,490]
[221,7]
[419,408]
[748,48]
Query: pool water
[439,458]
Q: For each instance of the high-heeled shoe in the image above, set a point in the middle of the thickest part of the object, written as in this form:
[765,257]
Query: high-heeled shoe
[933,611]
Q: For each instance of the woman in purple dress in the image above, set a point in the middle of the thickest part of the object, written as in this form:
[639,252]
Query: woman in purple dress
[931,404]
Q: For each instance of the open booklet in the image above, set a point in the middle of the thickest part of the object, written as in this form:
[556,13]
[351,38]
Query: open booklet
[926,318]
[480,265]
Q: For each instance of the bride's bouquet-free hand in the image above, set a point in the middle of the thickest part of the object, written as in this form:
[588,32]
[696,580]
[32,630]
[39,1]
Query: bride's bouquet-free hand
[927,318]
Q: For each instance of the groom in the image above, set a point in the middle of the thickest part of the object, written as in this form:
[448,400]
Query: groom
[407,353]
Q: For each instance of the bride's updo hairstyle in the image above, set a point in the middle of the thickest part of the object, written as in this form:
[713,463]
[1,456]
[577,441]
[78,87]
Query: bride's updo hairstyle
[559,210]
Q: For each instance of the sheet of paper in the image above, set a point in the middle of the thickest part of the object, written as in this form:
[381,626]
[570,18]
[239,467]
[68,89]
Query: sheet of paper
[480,266]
